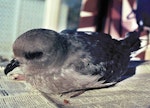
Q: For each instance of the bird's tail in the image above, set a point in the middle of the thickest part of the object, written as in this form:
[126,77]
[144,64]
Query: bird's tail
[132,41]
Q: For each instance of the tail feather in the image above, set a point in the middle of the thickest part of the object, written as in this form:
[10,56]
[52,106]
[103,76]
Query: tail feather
[132,41]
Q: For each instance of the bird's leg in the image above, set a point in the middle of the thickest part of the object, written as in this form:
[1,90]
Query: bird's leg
[77,92]
[73,93]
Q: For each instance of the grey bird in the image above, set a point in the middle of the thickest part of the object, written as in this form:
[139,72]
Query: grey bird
[72,61]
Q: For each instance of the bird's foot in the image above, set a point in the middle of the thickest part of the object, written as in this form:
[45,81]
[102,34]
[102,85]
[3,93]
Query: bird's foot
[17,76]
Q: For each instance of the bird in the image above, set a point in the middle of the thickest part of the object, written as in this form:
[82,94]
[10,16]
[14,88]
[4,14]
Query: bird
[72,62]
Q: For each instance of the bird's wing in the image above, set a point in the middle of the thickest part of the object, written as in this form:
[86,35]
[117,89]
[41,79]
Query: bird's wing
[98,50]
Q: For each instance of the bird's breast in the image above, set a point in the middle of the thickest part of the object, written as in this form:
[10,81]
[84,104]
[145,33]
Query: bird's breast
[62,82]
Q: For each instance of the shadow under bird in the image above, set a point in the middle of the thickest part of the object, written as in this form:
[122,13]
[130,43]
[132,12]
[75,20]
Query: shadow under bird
[71,61]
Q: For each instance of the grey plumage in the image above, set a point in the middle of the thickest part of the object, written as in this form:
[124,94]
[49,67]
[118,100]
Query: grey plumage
[57,63]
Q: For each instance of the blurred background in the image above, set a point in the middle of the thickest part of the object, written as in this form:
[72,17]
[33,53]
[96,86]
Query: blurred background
[115,17]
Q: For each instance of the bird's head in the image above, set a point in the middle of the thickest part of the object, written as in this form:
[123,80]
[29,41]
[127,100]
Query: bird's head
[37,48]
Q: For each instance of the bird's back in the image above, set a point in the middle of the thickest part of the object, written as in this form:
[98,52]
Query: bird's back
[99,54]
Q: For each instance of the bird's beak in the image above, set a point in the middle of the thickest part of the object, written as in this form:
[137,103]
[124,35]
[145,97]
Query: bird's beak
[12,65]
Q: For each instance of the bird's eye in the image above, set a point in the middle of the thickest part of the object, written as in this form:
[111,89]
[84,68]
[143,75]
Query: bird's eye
[33,55]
